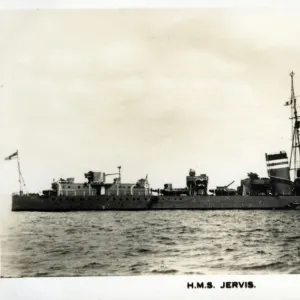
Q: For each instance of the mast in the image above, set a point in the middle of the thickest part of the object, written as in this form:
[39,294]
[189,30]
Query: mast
[295,149]
[21,179]
[119,167]
[119,173]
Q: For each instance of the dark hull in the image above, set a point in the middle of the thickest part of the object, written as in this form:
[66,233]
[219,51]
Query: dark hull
[79,203]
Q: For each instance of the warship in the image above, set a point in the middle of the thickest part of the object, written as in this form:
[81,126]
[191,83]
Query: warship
[280,190]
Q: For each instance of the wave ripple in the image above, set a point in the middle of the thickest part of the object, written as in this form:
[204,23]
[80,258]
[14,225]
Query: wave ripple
[155,242]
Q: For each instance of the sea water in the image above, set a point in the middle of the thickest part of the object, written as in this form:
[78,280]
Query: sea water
[93,243]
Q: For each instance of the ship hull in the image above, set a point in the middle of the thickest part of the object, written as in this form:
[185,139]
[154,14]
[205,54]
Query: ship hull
[77,203]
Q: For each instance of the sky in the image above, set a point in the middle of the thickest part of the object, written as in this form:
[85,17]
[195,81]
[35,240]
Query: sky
[155,91]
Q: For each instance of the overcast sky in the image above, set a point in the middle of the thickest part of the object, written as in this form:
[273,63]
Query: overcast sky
[156,91]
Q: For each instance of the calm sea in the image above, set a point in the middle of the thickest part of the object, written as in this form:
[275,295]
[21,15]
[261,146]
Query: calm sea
[152,242]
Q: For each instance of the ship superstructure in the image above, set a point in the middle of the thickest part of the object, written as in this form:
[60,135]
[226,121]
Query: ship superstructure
[97,185]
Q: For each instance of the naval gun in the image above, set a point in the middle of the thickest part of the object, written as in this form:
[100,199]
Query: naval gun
[224,190]
[168,190]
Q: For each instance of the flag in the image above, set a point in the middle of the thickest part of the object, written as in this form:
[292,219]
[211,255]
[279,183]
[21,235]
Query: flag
[14,155]
[287,103]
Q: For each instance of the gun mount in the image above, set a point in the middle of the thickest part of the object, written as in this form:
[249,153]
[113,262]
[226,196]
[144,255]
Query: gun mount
[224,190]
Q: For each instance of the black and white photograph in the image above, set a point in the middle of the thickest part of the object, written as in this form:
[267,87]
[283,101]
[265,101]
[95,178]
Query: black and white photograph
[149,142]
